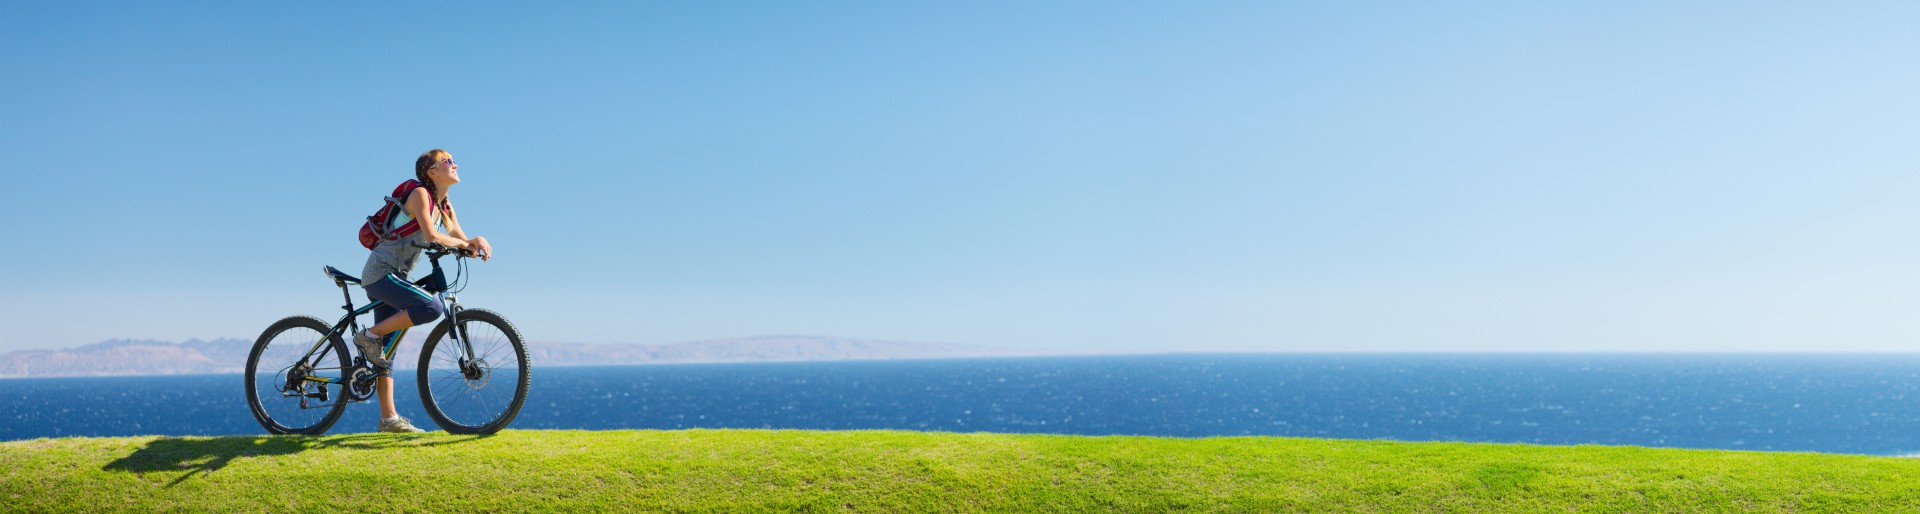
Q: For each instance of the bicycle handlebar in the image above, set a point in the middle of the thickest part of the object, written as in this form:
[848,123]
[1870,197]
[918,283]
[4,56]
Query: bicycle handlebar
[440,249]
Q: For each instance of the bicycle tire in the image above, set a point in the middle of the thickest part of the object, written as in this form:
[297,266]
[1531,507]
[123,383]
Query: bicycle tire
[283,415]
[463,404]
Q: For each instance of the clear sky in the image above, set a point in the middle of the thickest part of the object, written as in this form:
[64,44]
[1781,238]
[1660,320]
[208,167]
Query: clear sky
[1369,176]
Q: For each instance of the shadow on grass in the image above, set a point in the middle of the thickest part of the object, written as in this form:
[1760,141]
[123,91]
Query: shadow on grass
[203,455]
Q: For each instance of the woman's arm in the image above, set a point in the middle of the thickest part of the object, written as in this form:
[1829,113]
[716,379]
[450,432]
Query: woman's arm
[417,207]
[476,243]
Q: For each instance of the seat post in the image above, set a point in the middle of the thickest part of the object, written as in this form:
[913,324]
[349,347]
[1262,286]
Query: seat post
[345,295]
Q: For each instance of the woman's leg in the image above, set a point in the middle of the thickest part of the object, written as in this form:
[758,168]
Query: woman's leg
[405,307]
[385,386]
[397,321]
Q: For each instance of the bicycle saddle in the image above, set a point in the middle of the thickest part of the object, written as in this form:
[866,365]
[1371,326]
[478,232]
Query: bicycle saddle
[338,275]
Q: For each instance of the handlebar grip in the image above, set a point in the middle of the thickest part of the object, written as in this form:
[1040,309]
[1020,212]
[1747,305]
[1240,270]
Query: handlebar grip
[437,247]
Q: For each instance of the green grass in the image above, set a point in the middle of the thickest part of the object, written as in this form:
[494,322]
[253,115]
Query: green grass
[885,471]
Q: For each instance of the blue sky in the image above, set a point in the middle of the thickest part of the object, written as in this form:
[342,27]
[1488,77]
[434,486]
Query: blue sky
[1366,176]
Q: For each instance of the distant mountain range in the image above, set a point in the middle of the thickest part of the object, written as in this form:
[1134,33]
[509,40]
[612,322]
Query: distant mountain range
[145,357]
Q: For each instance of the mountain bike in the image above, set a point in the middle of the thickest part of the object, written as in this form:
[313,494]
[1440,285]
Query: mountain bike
[473,371]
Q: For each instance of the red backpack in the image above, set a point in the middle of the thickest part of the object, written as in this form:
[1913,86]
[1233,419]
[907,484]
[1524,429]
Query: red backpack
[379,227]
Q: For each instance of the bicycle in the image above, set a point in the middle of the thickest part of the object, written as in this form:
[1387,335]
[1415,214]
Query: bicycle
[298,359]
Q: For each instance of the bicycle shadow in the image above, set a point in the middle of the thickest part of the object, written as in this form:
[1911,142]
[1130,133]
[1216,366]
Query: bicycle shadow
[196,456]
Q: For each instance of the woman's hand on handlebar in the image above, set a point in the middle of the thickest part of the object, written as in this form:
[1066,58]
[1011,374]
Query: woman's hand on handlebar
[480,247]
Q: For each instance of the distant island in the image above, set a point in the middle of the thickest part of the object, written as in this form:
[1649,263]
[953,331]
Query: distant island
[146,357]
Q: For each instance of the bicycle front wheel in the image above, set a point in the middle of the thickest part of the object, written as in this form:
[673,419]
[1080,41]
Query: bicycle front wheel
[478,392]
[288,375]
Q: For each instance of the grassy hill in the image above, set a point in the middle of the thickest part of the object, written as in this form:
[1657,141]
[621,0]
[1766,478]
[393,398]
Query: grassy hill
[886,471]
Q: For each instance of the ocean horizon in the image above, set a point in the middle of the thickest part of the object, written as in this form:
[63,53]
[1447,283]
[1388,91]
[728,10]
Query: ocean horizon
[1821,402]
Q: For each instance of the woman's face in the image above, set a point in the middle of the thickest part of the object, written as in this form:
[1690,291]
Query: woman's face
[445,172]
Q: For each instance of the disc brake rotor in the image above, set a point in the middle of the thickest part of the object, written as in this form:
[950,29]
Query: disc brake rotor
[476,373]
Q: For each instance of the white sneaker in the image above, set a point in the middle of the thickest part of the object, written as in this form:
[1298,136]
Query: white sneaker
[370,348]
[399,425]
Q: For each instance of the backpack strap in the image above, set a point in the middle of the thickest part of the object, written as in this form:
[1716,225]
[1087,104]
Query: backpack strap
[399,205]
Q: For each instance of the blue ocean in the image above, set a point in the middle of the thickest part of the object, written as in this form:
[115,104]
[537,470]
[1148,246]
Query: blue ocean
[1858,404]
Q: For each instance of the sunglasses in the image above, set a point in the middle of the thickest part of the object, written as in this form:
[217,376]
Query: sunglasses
[448,162]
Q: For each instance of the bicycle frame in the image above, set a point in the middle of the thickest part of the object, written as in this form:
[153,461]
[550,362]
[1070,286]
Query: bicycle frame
[350,324]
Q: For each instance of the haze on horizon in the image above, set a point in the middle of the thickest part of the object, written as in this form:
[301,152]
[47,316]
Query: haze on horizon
[1365,176]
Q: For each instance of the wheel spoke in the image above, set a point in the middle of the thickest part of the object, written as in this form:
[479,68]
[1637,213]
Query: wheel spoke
[495,348]
[486,407]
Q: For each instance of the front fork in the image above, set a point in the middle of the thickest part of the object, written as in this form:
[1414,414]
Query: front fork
[470,365]
[452,306]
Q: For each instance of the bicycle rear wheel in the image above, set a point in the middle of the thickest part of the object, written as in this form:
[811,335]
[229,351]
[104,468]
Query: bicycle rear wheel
[280,387]
[479,395]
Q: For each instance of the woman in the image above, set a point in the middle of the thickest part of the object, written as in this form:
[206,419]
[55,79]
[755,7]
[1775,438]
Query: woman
[385,276]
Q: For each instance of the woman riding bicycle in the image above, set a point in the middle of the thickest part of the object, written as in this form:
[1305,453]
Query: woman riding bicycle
[385,275]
